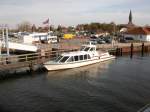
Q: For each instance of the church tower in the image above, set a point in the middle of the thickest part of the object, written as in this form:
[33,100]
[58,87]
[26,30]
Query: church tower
[130,18]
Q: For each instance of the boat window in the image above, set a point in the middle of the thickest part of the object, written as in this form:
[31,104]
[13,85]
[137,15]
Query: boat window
[81,57]
[57,59]
[64,59]
[70,59]
[92,49]
[76,58]
[88,56]
[85,57]
[87,48]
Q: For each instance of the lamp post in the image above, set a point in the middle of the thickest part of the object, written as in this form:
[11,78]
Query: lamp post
[4,40]
[7,44]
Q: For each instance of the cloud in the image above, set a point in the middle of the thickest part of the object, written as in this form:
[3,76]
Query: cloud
[68,12]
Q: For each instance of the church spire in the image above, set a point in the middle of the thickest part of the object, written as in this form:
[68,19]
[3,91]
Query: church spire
[130,18]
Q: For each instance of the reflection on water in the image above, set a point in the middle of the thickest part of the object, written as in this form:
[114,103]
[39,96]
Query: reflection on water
[91,70]
[121,85]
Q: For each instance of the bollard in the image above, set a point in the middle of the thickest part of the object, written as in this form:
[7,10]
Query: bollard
[116,51]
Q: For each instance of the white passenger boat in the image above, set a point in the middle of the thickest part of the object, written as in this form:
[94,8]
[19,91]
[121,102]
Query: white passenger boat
[86,56]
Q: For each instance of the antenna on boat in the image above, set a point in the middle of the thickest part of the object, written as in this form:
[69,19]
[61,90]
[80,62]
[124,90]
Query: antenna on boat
[90,43]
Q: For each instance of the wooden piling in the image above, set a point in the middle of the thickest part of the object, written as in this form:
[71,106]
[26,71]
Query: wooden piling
[117,51]
[120,51]
[131,51]
[142,51]
[147,49]
[31,67]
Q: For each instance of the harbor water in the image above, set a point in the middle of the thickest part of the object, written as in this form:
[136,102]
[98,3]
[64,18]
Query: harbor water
[120,85]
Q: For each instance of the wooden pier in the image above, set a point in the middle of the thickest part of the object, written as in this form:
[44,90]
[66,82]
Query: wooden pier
[130,49]
[32,60]
[29,61]
[117,49]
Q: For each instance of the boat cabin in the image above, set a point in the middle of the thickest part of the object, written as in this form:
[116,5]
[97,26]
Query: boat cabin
[82,55]
[73,57]
[88,48]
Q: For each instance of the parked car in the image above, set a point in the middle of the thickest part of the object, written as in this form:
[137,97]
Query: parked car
[93,41]
[126,40]
[108,40]
[97,40]
[100,41]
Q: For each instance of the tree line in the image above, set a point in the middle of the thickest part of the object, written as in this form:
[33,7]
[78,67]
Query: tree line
[92,27]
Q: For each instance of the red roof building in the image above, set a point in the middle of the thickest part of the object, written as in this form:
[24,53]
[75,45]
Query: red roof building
[138,33]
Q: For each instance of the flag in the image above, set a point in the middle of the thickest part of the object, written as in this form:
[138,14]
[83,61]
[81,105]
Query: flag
[46,21]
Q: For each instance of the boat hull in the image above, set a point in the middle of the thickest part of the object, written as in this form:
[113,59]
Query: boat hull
[61,66]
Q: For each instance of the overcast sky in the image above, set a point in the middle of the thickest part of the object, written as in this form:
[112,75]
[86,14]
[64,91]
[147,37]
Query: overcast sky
[73,12]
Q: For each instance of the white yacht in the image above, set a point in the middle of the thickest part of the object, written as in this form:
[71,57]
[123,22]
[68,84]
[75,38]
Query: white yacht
[86,56]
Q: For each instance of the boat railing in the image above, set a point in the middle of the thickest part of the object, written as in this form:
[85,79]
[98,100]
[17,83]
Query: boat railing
[145,108]
[16,40]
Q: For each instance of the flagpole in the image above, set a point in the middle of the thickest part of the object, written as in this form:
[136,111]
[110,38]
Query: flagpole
[48,26]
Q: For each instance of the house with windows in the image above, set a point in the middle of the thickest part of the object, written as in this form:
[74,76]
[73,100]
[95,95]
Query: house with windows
[138,33]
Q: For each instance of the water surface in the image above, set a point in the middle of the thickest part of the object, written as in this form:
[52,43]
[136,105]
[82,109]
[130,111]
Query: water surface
[121,85]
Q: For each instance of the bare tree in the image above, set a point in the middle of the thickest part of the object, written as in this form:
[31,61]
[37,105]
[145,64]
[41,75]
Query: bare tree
[25,26]
[34,28]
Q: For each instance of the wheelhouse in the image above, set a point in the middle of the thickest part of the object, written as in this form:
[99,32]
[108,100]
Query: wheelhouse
[88,48]
[75,58]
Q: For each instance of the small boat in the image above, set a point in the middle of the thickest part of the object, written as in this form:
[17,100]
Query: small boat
[145,108]
[85,56]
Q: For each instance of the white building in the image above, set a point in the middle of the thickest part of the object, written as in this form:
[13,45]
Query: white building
[138,33]
[38,37]
[122,30]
